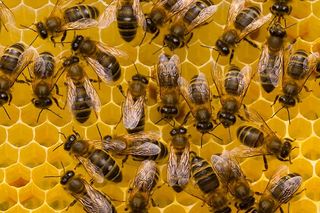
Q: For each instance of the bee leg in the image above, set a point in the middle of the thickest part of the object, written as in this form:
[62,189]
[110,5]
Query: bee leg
[57,90]
[53,41]
[71,204]
[57,103]
[10,99]
[78,164]
[124,160]
[121,91]
[22,82]
[275,100]
[281,210]
[307,89]
[26,79]
[153,203]
[63,37]
[231,56]
[188,40]
[252,43]
[155,36]
[265,162]
[75,132]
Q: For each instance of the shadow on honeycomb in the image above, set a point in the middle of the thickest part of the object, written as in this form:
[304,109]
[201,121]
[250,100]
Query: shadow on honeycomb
[26,147]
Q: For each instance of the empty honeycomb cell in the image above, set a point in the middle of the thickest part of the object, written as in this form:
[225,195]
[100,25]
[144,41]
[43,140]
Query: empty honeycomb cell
[12,4]
[104,93]
[312,189]
[295,130]
[3,135]
[209,38]
[13,113]
[29,117]
[59,155]
[163,196]
[303,205]
[302,14]
[106,117]
[113,191]
[174,208]
[209,149]
[31,197]
[316,127]
[35,5]
[246,53]
[277,126]
[17,175]
[17,208]
[186,199]
[39,179]
[58,198]
[252,168]
[302,167]
[24,12]
[32,155]
[306,26]
[8,197]
[46,135]
[44,208]
[308,148]
[9,155]
[1,175]
[200,55]
[19,140]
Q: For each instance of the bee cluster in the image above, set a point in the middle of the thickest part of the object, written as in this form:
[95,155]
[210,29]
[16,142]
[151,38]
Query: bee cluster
[183,104]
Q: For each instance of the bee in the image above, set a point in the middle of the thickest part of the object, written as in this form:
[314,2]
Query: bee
[81,97]
[128,15]
[261,141]
[98,163]
[207,181]
[244,21]
[168,74]
[198,97]
[270,64]
[141,188]
[91,199]
[62,19]
[195,15]
[44,80]
[100,57]
[231,175]
[12,63]
[299,68]
[281,188]
[133,107]
[6,16]
[232,88]
[178,170]
[279,9]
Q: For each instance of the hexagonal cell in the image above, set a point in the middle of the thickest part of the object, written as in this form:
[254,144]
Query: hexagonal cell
[306,108]
[13,113]
[174,208]
[59,155]
[302,205]
[17,208]
[186,199]
[46,135]
[302,14]
[308,149]
[17,175]
[32,155]
[31,197]
[39,179]
[9,155]
[105,114]
[199,54]
[211,39]
[164,196]
[20,139]
[295,130]
[19,92]
[3,135]
[278,126]
[13,3]
[44,208]
[306,28]
[35,5]
[263,108]
[312,189]
[8,197]
[209,149]
[316,127]
[58,198]
[302,167]
[199,207]
[253,174]
[246,53]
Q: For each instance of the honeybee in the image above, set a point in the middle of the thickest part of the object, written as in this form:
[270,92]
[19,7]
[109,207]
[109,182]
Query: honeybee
[128,15]
[195,15]
[99,164]
[141,188]
[261,141]
[81,97]
[133,107]
[6,16]
[279,9]
[178,170]
[231,175]
[44,80]
[12,63]
[168,74]
[232,88]
[213,193]
[281,188]
[100,57]
[91,199]
[241,21]
[299,68]
[62,19]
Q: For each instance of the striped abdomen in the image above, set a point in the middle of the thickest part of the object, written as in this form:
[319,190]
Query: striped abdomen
[232,82]
[127,22]
[250,136]
[194,10]
[111,65]
[197,94]
[9,60]
[79,12]
[246,17]
[82,105]
[44,66]
[298,65]
[140,126]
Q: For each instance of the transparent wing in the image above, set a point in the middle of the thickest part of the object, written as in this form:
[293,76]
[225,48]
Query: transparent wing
[142,149]
[235,7]
[218,79]
[201,88]
[132,111]
[289,188]
[81,24]
[172,176]
[101,71]
[138,12]
[179,6]
[183,169]
[6,15]
[203,16]
[91,169]
[243,151]
[168,70]
[255,116]
[108,16]
[72,93]
[25,59]
[247,75]
[220,167]
[277,175]
[146,175]
[116,146]
[111,50]
[233,164]
[143,136]
[93,95]
[255,25]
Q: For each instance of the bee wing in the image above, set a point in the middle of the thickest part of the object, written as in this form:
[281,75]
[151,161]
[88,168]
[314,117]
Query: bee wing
[243,151]
[71,92]
[142,149]
[138,12]
[312,59]
[255,25]
[108,16]
[144,136]
[220,167]
[233,164]
[202,88]
[257,117]
[247,76]
[235,7]
[183,169]
[93,95]
[179,6]
[114,145]
[277,175]
[203,16]
[218,78]
[146,175]
[26,58]
[172,175]
[112,50]
[101,71]
[132,111]
[81,24]
[185,91]
[168,69]
[6,15]
[91,169]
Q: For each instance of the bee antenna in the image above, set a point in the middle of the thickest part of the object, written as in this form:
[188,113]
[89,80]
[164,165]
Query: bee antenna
[27,27]
[290,25]
[39,115]
[35,38]
[215,136]
[210,47]
[159,49]
[61,133]
[288,115]
[99,131]
[277,112]
[144,36]
[136,68]
[185,120]
[51,176]
[5,110]
[57,147]
[64,170]
[54,113]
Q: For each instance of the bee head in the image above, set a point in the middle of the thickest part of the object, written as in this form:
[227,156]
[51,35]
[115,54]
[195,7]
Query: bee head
[171,41]
[285,151]
[169,110]
[71,60]
[150,27]
[287,101]
[278,31]
[280,8]
[204,126]
[5,97]
[265,205]
[247,203]
[141,78]
[66,177]
[77,42]
[226,119]
[138,203]
[69,142]
[177,188]
[180,130]
[43,102]
[222,47]
[42,30]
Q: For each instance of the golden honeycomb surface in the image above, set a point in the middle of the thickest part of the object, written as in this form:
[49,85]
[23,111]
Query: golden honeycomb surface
[26,146]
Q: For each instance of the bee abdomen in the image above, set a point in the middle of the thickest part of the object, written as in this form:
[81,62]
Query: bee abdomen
[194,11]
[127,23]
[111,65]
[139,127]
[10,58]
[45,69]
[298,65]
[246,17]
[82,105]
[250,136]
[78,12]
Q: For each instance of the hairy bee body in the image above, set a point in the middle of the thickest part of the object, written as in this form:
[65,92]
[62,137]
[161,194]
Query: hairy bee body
[127,21]
[246,17]
[162,154]
[79,12]
[9,60]
[298,65]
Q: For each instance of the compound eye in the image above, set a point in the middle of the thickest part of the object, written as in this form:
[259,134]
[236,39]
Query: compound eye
[182,130]
[48,102]
[144,80]
[173,132]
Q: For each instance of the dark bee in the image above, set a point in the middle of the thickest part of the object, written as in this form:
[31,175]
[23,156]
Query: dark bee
[299,68]
[245,20]
[279,9]
[91,199]
[168,74]
[128,15]
[100,56]
[197,95]
[231,175]
[282,187]
[81,97]
[13,61]
[195,15]
[271,59]
[44,80]
[99,165]
[62,19]
[261,141]
[6,16]
[142,187]
[213,193]
[178,171]
[232,88]
[133,107]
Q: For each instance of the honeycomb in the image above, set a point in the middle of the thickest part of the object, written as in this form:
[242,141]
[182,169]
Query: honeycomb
[27,157]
